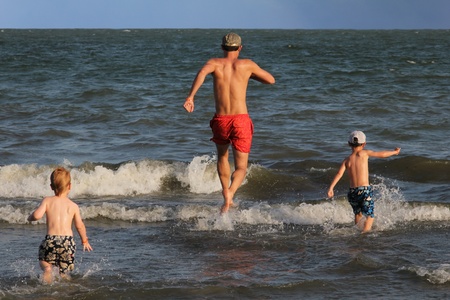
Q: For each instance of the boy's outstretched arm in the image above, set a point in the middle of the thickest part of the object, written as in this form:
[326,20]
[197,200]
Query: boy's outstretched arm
[336,179]
[383,154]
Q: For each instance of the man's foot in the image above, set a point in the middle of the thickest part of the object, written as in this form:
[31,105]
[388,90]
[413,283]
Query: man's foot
[227,201]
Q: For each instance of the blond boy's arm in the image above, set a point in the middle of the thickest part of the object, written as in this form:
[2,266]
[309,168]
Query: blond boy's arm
[383,154]
[39,212]
[336,179]
[79,225]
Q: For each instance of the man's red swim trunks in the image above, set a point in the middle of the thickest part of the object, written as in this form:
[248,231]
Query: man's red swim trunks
[234,129]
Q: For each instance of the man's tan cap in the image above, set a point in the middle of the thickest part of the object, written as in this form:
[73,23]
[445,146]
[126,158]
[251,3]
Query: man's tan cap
[231,40]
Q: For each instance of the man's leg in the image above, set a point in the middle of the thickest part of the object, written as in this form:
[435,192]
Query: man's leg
[240,170]
[237,177]
[224,171]
[223,166]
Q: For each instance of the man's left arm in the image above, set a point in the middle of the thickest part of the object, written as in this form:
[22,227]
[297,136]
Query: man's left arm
[261,75]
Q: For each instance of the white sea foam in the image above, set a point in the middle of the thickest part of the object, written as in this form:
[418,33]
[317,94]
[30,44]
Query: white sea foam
[434,274]
[200,175]
[130,179]
[115,211]
[146,177]
[389,213]
[24,181]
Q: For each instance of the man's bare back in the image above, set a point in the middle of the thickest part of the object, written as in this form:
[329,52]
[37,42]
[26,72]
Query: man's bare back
[231,76]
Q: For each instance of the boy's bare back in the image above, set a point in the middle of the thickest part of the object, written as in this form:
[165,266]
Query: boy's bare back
[357,165]
[61,212]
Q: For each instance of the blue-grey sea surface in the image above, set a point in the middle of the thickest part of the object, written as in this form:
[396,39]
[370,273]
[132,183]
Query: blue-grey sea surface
[107,104]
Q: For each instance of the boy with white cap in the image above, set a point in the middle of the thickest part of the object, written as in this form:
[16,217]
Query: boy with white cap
[357,164]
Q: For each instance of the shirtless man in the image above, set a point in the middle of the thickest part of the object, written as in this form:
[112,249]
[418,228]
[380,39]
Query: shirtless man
[231,123]
[58,247]
[357,164]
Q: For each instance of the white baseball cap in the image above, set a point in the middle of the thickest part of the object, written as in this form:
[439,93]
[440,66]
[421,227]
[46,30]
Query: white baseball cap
[357,138]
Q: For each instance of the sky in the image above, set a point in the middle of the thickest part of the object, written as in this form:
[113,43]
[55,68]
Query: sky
[229,14]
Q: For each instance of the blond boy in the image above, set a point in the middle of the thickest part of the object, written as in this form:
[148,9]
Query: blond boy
[357,165]
[58,247]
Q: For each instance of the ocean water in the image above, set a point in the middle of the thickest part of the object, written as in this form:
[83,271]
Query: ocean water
[107,104]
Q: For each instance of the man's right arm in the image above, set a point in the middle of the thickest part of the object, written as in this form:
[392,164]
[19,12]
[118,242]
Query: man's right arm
[208,68]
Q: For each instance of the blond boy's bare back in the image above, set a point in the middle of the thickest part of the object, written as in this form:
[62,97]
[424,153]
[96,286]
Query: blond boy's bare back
[61,212]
